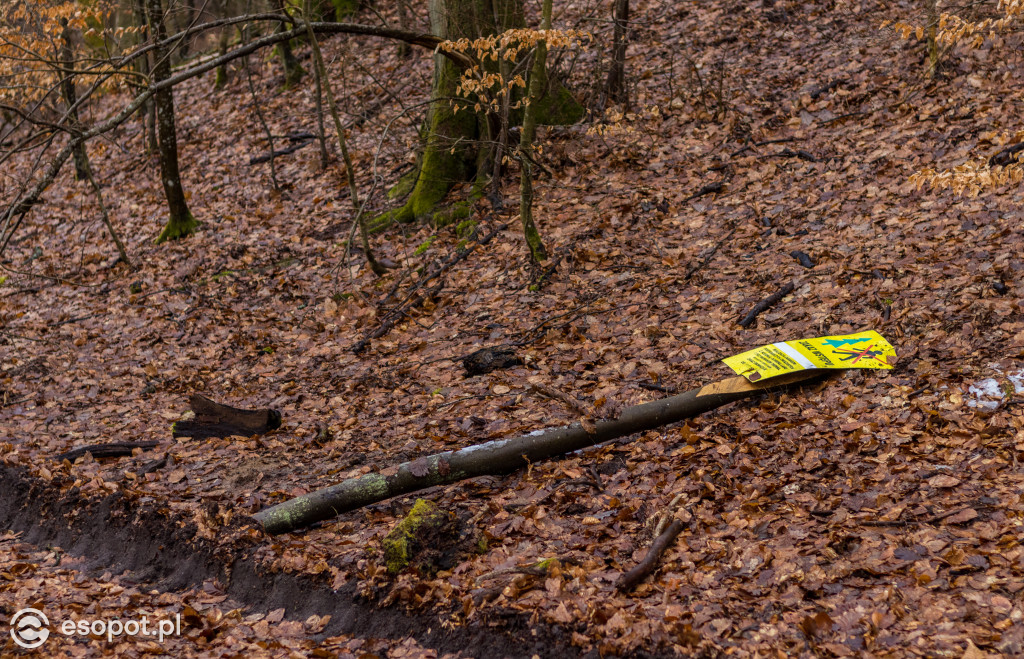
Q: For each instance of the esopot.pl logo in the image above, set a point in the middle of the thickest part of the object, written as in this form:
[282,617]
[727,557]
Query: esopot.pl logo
[29,628]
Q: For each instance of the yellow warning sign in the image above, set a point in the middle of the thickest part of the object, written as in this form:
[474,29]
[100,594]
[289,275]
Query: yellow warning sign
[864,350]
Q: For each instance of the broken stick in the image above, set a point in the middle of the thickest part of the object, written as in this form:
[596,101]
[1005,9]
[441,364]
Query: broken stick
[764,304]
[629,580]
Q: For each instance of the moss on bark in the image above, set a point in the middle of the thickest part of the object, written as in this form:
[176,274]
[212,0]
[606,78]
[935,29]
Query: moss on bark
[178,227]
[451,152]
[345,8]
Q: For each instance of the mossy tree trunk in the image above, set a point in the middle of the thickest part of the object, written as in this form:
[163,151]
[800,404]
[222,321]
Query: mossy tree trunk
[180,223]
[345,8]
[451,152]
[221,76]
[293,71]
[527,135]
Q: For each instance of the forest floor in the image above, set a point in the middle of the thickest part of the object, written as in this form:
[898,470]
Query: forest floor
[879,512]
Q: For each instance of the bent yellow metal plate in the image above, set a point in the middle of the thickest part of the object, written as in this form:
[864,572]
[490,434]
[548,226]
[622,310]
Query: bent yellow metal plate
[863,350]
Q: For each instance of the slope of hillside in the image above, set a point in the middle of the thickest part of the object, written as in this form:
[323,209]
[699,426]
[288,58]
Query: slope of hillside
[877,512]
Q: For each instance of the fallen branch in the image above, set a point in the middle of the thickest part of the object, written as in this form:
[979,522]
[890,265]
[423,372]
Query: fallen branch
[1007,156]
[751,145]
[764,304]
[100,451]
[216,420]
[506,455]
[710,255]
[413,299]
[266,157]
[398,314]
[629,580]
[710,188]
[790,153]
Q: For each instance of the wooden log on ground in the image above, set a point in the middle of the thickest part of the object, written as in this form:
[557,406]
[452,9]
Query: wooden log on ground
[100,451]
[507,455]
[213,419]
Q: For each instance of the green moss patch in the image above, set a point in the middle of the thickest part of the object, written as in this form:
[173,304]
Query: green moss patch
[428,539]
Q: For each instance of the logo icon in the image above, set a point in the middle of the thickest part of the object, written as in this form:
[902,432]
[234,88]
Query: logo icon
[29,628]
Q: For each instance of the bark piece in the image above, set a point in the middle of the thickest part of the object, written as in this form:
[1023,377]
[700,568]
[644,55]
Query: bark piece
[1007,156]
[486,360]
[803,258]
[216,420]
[507,455]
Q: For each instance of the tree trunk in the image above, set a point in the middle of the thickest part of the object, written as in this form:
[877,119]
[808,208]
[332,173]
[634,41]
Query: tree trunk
[616,88]
[451,151]
[67,88]
[187,16]
[221,76]
[181,223]
[293,71]
[526,138]
[932,18]
[148,111]
[403,22]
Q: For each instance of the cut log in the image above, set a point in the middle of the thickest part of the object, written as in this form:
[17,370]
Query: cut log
[216,420]
[507,455]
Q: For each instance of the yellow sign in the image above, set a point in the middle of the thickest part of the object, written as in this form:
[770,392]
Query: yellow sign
[864,350]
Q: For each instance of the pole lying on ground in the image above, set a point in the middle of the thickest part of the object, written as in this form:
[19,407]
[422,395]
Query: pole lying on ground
[507,455]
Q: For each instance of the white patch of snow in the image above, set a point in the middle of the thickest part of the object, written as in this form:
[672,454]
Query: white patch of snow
[481,447]
[1017,380]
[987,394]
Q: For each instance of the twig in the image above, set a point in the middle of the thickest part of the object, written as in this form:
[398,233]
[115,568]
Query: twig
[710,188]
[790,153]
[1007,156]
[575,404]
[263,122]
[663,522]
[392,318]
[751,145]
[280,152]
[413,298]
[766,303]
[153,465]
[707,259]
[631,579]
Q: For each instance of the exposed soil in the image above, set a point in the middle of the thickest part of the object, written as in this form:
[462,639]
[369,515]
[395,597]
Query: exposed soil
[163,551]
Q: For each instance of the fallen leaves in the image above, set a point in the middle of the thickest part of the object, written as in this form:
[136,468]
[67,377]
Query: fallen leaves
[880,514]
